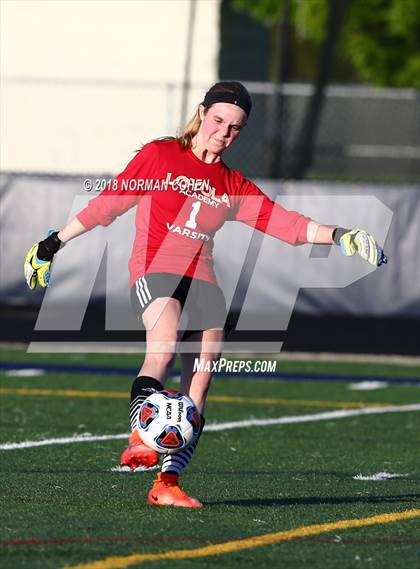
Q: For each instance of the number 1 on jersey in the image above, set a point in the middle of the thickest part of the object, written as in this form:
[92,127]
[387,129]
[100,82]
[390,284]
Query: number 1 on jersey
[191,222]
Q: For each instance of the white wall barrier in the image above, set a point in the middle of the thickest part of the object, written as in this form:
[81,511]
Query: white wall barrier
[315,280]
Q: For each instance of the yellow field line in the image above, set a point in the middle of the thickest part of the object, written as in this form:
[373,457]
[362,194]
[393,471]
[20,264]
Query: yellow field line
[63,392]
[120,562]
[214,398]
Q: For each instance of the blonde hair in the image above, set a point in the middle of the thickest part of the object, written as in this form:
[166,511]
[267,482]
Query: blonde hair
[185,137]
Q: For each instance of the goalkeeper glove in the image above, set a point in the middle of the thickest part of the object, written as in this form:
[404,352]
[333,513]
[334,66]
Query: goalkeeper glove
[38,261]
[361,242]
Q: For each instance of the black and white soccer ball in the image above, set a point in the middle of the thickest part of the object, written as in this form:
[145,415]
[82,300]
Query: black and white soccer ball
[168,421]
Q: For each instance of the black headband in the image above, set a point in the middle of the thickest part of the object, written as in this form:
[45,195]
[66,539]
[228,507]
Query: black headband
[242,100]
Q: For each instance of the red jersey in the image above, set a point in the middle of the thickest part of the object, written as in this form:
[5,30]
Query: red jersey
[181,202]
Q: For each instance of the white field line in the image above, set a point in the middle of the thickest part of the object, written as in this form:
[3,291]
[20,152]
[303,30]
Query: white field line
[32,372]
[139,469]
[62,441]
[326,416]
[379,476]
[367,385]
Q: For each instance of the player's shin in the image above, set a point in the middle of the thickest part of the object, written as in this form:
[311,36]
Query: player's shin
[142,387]
[137,454]
[174,463]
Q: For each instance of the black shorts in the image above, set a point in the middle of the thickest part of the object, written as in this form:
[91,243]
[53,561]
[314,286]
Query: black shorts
[203,302]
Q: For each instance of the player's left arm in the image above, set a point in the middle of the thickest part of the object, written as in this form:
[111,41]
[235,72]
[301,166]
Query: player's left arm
[351,241]
[256,209]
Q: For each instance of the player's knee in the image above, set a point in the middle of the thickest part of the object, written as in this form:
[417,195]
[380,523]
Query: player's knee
[164,355]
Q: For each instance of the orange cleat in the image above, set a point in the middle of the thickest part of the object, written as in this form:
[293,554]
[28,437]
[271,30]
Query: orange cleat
[138,454]
[166,492]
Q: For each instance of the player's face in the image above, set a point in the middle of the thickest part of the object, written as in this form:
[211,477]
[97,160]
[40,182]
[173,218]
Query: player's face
[220,126]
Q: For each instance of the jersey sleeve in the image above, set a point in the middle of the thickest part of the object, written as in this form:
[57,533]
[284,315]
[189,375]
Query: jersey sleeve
[119,197]
[256,209]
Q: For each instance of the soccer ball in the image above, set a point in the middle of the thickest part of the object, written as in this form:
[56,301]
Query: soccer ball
[168,421]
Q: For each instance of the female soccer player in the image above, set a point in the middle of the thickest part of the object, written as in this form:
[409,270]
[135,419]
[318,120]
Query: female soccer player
[184,193]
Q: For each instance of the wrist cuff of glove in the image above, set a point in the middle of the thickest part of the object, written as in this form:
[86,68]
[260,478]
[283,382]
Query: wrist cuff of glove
[338,233]
[49,247]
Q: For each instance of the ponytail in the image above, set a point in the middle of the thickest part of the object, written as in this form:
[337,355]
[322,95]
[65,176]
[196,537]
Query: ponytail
[186,136]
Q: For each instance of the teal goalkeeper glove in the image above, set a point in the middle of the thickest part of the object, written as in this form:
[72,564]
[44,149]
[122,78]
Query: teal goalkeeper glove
[361,242]
[38,261]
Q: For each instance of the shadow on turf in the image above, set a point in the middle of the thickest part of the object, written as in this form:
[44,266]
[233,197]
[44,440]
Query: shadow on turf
[317,500]
[293,473]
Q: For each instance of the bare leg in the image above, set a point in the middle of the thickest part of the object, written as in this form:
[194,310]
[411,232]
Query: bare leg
[161,320]
[196,383]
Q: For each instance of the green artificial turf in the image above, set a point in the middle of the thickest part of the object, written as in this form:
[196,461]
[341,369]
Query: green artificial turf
[253,481]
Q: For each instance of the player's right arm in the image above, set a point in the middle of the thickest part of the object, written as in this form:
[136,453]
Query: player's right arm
[73,229]
[102,210]
[38,260]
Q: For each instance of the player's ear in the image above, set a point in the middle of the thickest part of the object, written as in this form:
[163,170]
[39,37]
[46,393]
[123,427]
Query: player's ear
[201,111]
